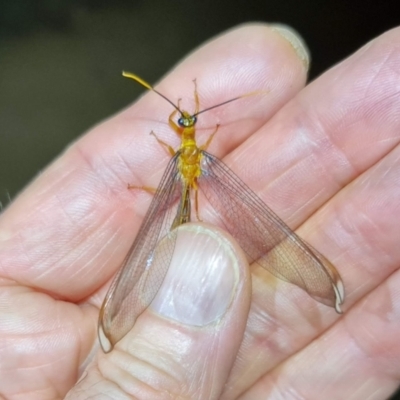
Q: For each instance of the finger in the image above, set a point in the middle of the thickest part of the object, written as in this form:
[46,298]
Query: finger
[44,343]
[358,229]
[185,345]
[357,359]
[283,320]
[70,230]
[330,133]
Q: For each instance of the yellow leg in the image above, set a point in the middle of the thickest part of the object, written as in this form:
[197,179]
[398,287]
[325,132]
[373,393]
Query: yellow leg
[196,203]
[166,146]
[171,122]
[196,98]
[209,140]
[145,188]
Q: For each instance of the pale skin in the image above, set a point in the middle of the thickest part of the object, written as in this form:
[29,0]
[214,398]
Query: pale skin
[326,159]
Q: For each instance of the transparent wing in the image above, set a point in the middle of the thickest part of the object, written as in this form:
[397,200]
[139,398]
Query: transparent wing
[265,238]
[137,282]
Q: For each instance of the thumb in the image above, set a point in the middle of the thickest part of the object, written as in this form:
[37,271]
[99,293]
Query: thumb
[185,344]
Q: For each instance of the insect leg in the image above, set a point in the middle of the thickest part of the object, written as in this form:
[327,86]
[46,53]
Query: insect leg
[147,189]
[166,146]
[209,140]
[196,203]
[196,98]
[177,129]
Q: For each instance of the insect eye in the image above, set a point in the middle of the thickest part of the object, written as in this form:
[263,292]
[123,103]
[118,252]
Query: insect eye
[187,121]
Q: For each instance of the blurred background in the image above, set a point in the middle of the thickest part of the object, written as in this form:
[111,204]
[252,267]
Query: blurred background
[61,60]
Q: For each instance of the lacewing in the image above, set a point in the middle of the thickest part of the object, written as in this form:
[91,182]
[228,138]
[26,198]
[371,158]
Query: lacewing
[262,235]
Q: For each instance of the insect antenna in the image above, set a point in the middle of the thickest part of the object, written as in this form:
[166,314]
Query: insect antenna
[148,86]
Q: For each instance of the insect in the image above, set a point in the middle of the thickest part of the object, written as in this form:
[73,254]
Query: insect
[262,235]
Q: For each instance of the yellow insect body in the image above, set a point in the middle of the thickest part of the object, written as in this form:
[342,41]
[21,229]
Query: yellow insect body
[263,236]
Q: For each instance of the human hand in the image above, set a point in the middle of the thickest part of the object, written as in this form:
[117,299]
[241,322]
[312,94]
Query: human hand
[325,158]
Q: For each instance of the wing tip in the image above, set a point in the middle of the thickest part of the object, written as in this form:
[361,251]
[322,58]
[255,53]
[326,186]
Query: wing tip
[338,288]
[105,342]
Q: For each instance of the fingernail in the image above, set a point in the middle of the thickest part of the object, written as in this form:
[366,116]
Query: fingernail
[202,277]
[295,40]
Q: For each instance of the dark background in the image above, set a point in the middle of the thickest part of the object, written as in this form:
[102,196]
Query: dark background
[60,60]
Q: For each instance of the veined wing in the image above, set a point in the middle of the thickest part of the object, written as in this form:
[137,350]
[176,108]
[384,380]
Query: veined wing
[137,282]
[265,238]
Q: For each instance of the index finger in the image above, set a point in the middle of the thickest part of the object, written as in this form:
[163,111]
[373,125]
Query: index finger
[68,232]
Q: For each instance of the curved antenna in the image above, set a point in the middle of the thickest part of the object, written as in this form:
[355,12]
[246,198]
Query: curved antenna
[229,101]
[148,86]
